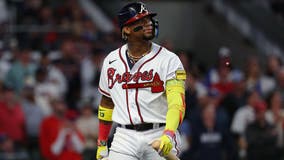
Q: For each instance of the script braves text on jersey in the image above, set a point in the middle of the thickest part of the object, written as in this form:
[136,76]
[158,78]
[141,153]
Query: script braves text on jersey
[138,92]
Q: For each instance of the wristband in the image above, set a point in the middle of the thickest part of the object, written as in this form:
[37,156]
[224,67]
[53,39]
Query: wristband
[169,133]
[105,114]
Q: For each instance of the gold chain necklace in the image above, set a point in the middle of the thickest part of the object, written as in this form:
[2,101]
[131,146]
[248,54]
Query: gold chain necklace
[134,58]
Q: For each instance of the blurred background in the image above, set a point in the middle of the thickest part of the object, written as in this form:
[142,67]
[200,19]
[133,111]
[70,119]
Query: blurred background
[51,53]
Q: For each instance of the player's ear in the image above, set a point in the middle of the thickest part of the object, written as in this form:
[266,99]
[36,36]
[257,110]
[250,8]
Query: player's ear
[125,32]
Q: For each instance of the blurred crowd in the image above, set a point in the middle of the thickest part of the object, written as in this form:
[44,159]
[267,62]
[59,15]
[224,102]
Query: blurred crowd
[234,113]
[49,96]
[48,81]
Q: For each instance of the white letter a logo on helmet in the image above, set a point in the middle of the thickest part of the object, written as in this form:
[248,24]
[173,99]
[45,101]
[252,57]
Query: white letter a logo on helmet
[143,9]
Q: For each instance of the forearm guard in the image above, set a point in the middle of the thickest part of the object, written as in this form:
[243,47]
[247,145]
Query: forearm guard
[175,92]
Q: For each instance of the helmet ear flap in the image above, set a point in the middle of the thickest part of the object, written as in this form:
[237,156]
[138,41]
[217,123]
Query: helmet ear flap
[155,24]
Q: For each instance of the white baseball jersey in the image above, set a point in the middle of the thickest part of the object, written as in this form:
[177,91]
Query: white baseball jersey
[138,93]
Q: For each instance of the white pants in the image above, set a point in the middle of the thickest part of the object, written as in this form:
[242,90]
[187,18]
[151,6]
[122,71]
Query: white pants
[135,145]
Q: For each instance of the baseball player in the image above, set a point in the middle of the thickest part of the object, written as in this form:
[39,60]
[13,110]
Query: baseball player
[142,85]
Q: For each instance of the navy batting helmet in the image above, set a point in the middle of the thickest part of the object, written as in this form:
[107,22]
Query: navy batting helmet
[133,12]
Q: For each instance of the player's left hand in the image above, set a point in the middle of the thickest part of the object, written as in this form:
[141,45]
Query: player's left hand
[165,145]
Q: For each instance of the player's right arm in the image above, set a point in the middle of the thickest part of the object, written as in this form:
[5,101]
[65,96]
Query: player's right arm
[105,123]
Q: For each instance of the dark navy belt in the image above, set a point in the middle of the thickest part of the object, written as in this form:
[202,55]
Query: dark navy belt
[142,126]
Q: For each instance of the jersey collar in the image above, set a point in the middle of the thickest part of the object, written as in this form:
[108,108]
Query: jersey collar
[154,50]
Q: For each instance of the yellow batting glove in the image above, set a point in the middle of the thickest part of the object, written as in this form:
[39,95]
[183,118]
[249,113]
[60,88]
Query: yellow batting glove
[102,150]
[165,145]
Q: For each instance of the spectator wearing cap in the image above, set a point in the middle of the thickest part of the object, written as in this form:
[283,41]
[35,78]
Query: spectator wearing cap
[220,78]
[12,118]
[21,72]
[88,124]
[59,137]
[261,137]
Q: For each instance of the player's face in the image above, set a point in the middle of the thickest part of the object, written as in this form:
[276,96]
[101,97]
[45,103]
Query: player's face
[147,31]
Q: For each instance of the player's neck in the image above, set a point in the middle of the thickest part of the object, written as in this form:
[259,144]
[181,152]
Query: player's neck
[139,48]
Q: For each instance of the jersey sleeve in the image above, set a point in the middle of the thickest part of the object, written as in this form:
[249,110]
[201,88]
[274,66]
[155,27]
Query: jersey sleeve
[175,69]
[103,84]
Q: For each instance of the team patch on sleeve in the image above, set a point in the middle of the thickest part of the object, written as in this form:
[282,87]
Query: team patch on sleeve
[180,74]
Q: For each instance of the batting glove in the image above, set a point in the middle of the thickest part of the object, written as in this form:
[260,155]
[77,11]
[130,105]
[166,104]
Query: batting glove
[165,145]
[102,150]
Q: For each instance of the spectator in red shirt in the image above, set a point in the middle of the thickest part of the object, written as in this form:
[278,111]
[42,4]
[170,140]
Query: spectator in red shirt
[12,119]
[220,79]
[221,76]
[59,138]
